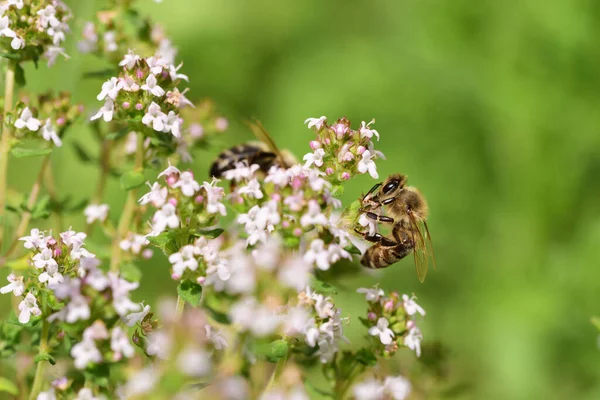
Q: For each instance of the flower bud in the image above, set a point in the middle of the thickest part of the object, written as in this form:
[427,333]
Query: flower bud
[171,179]
[221,124]
[175,277]
[199,199]
[297,232]
[147,254]
[360,150]
[200,280]
[60,121]
[329,171]
[371,316]
[315,145]
[126,105]
[173,201]
[345,176]
[139,106]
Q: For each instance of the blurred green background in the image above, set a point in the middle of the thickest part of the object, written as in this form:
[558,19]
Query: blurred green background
[490,108]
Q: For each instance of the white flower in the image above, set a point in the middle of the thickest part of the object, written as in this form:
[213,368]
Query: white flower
[397,386]
[87,394]
[214,195]
[4,27]
[252,189]
[385,333]
[367,164]
[368,390]
[133,243]
[110,42]
[314,216]
[170,170]
[17,43]
[15,285]
[48,17]
[96,331]
[278,176]
[49,133]
[106,112]
[371,295]
[134,318]
[411,306]
[52,53]
[120,343]
[241,172]
[318,255]
[242,275]
[27,120]
[123,305]
[77,309]
[35,240]
[259,222]
[296,321]
[27,307]
[413,339]
[140,383]
[110,89]
[175,75]
[216,337]
[316,122]
[165,217]
[129,60]
[173,124]
[72,238]
[255,317]
[188,185]
[295,273]
[366,131]
[155,117]
[159,344]
[152,86]
[52,276]
[84,353]
[90,38]
[156,64]
[47,395]
[363,220]
[184,259]
[129,84]
[44,259]
[96,212]
[315,158]
[157,195]
[17,3]
[194,362]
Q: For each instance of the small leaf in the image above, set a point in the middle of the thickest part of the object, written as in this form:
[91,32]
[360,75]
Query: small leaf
[82,153]
[352,249]
[44,357]
[10,56]
[218,316]
[21,152]
[322,287]
[20,76]
[273,351]
[209,233]
[130,272]
[132,180]
[190,292]
[366,357]
[41,209]
[8,386]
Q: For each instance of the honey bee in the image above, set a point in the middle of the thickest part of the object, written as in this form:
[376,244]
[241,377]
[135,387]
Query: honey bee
[264,153]
[406,211]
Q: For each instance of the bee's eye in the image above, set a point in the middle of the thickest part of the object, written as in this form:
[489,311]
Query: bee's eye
[390,187]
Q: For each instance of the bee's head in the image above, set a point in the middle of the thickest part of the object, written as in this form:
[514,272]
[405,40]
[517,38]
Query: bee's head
[393,183]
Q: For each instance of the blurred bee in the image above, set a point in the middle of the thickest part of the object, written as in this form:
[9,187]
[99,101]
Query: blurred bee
[407,211]
[264,153]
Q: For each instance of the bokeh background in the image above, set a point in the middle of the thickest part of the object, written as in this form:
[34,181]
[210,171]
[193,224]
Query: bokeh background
[490,108]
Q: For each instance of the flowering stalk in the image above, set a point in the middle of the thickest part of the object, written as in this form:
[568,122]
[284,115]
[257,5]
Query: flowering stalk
[9,88]
[38,380]
[26,216]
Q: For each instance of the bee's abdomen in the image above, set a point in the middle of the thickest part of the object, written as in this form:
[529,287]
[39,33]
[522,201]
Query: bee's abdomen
[253,154]
[377,256]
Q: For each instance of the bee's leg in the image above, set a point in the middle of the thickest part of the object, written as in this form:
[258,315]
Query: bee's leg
[377,238]
[380,218]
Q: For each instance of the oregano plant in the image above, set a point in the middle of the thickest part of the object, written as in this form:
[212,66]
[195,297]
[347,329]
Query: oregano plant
[255,251]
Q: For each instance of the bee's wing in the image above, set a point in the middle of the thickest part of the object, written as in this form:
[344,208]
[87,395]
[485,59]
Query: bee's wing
[261,134]
[423,246]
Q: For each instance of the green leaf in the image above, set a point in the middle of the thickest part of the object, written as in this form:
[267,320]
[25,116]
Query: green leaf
[190,292]
[352,249]
[218,316]
[166,241]
[132,180]
[8,387]
[21,152]
[10,56]
[366,357]
[44,357]
[20,76]
[41,209]
[322,287]
[130,272]
[82,153]
[209,233]
[273,351]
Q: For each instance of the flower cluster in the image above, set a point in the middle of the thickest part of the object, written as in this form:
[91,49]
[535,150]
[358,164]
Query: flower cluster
[341,151]
[46,115]
[393,387]
[392,320]
[34,29]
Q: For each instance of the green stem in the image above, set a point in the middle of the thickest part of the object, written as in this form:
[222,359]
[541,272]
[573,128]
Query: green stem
[128,210]
[179,307]
[9,90]
[26,216]
[38,381]
[279,367]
